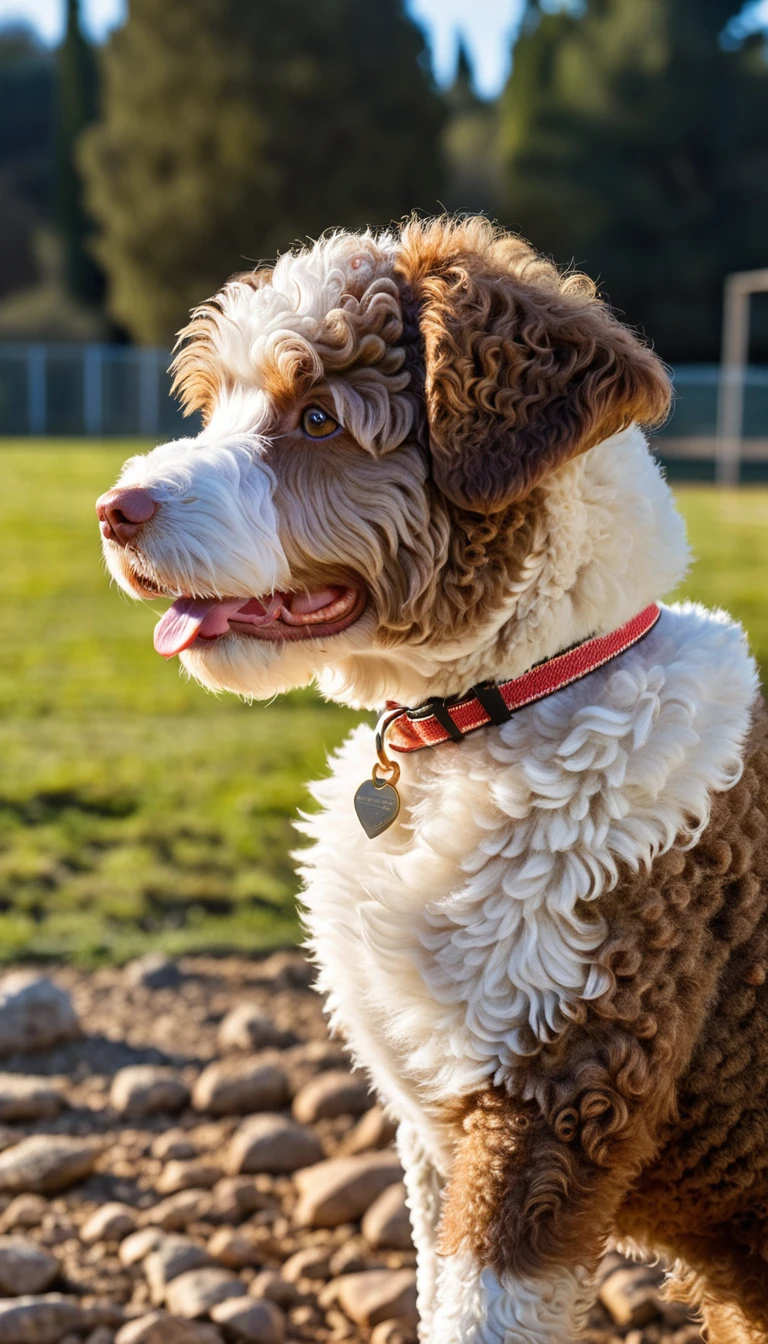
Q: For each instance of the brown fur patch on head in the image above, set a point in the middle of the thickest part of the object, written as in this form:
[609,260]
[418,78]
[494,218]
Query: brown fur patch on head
[360,342]
[483,560]
[525,368]
[199,375]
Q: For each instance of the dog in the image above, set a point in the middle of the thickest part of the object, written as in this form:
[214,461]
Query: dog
[423,483]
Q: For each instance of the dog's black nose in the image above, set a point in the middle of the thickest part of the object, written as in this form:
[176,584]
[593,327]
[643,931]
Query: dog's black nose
[122,513]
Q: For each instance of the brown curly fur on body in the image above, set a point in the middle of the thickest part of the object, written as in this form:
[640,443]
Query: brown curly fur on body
[649,1116]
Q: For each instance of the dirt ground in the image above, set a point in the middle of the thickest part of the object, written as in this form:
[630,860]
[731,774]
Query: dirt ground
[163,1206]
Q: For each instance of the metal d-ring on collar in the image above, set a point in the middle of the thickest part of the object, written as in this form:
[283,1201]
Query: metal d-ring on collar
[383,761]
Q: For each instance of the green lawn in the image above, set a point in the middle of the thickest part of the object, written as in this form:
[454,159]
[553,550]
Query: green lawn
[135,809]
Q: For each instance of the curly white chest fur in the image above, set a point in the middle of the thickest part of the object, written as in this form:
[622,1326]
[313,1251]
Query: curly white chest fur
[442,944]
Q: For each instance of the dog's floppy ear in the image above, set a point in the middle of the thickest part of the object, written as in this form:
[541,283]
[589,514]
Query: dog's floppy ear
[524,368]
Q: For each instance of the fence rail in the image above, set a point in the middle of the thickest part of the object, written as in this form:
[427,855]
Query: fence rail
[110,391]
[92,391]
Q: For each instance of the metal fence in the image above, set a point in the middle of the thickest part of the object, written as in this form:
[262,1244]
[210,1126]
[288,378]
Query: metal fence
[688,443]
[92,391]
[103,391]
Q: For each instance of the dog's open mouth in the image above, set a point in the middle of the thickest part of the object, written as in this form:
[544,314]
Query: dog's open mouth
[286,616]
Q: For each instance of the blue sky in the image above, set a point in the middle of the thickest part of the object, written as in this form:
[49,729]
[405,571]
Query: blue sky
[487,27]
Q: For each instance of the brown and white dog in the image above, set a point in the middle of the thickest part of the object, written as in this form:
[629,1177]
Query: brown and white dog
[422,468]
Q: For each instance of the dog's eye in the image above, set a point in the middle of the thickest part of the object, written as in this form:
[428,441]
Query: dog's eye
[318,424]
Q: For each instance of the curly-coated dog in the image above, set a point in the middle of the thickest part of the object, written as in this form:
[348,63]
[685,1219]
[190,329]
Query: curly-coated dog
[423,484]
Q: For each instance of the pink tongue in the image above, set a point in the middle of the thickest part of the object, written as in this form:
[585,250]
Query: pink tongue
[183,622]
[209,617]
[303,604]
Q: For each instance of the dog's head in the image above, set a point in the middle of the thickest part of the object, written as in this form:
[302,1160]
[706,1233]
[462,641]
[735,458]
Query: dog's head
[389,466]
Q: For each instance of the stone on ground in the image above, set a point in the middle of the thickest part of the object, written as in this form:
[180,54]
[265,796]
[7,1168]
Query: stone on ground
[393,1332]
[175,1213]
[25,1267]
[138,1245]
[271,1284]
[237,1197]
[174,1256]
[374,1131]
[272,1143]
[311,1262]
[25,1097]
[336,1092]
[387,1224]
[24,1211]
[233,1249]
[46,1163]
[40,1319]
[379,1295]
[343,1188]
[352,1258]
[159,1327]
[198,1290]
[35,1014]
[239,1086]
[110,1222]
[153,971]
[173,1146]
[188,1175]
[287,970]
[148,1089]
[246,1028]
[253,1320]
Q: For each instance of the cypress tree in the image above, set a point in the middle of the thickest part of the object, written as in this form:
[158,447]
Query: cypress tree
[77,83]
[230,128]
[26,117]
[471,146]
[634,142]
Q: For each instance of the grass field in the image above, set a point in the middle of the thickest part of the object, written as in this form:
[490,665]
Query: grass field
[137,811]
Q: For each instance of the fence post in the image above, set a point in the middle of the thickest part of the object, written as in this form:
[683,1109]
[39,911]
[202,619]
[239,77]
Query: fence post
[733,370]
[93,419]
[149,408]
[37,418]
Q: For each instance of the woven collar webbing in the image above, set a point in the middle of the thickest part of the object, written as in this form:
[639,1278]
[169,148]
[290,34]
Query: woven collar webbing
[494,702]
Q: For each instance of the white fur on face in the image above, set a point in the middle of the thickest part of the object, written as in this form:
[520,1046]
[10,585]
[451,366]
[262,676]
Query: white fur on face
[220,530]
[215,533]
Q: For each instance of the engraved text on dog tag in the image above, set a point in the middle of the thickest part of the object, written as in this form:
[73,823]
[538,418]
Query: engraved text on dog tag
[377,805]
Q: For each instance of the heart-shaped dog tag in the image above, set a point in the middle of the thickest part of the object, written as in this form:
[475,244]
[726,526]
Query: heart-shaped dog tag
[377,804]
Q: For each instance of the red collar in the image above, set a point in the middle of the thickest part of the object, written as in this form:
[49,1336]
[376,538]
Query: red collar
[494,702]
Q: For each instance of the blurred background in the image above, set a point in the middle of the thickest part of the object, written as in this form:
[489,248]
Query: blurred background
[147,151]
[164,1065]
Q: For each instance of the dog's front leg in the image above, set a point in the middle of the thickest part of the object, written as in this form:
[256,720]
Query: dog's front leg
[423,1186]
[477,1304]
[524,1221]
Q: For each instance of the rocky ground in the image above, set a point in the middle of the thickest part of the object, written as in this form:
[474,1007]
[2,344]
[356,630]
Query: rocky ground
[185,1158]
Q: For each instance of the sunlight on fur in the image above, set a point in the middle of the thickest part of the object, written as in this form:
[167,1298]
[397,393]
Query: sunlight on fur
[553,963]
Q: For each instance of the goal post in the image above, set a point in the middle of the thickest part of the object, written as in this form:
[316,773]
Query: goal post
[733,369]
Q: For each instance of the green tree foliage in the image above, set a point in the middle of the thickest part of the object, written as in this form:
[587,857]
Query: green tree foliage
[232,127]
[77,87]
[470,146]
[26,100]
[634,141]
